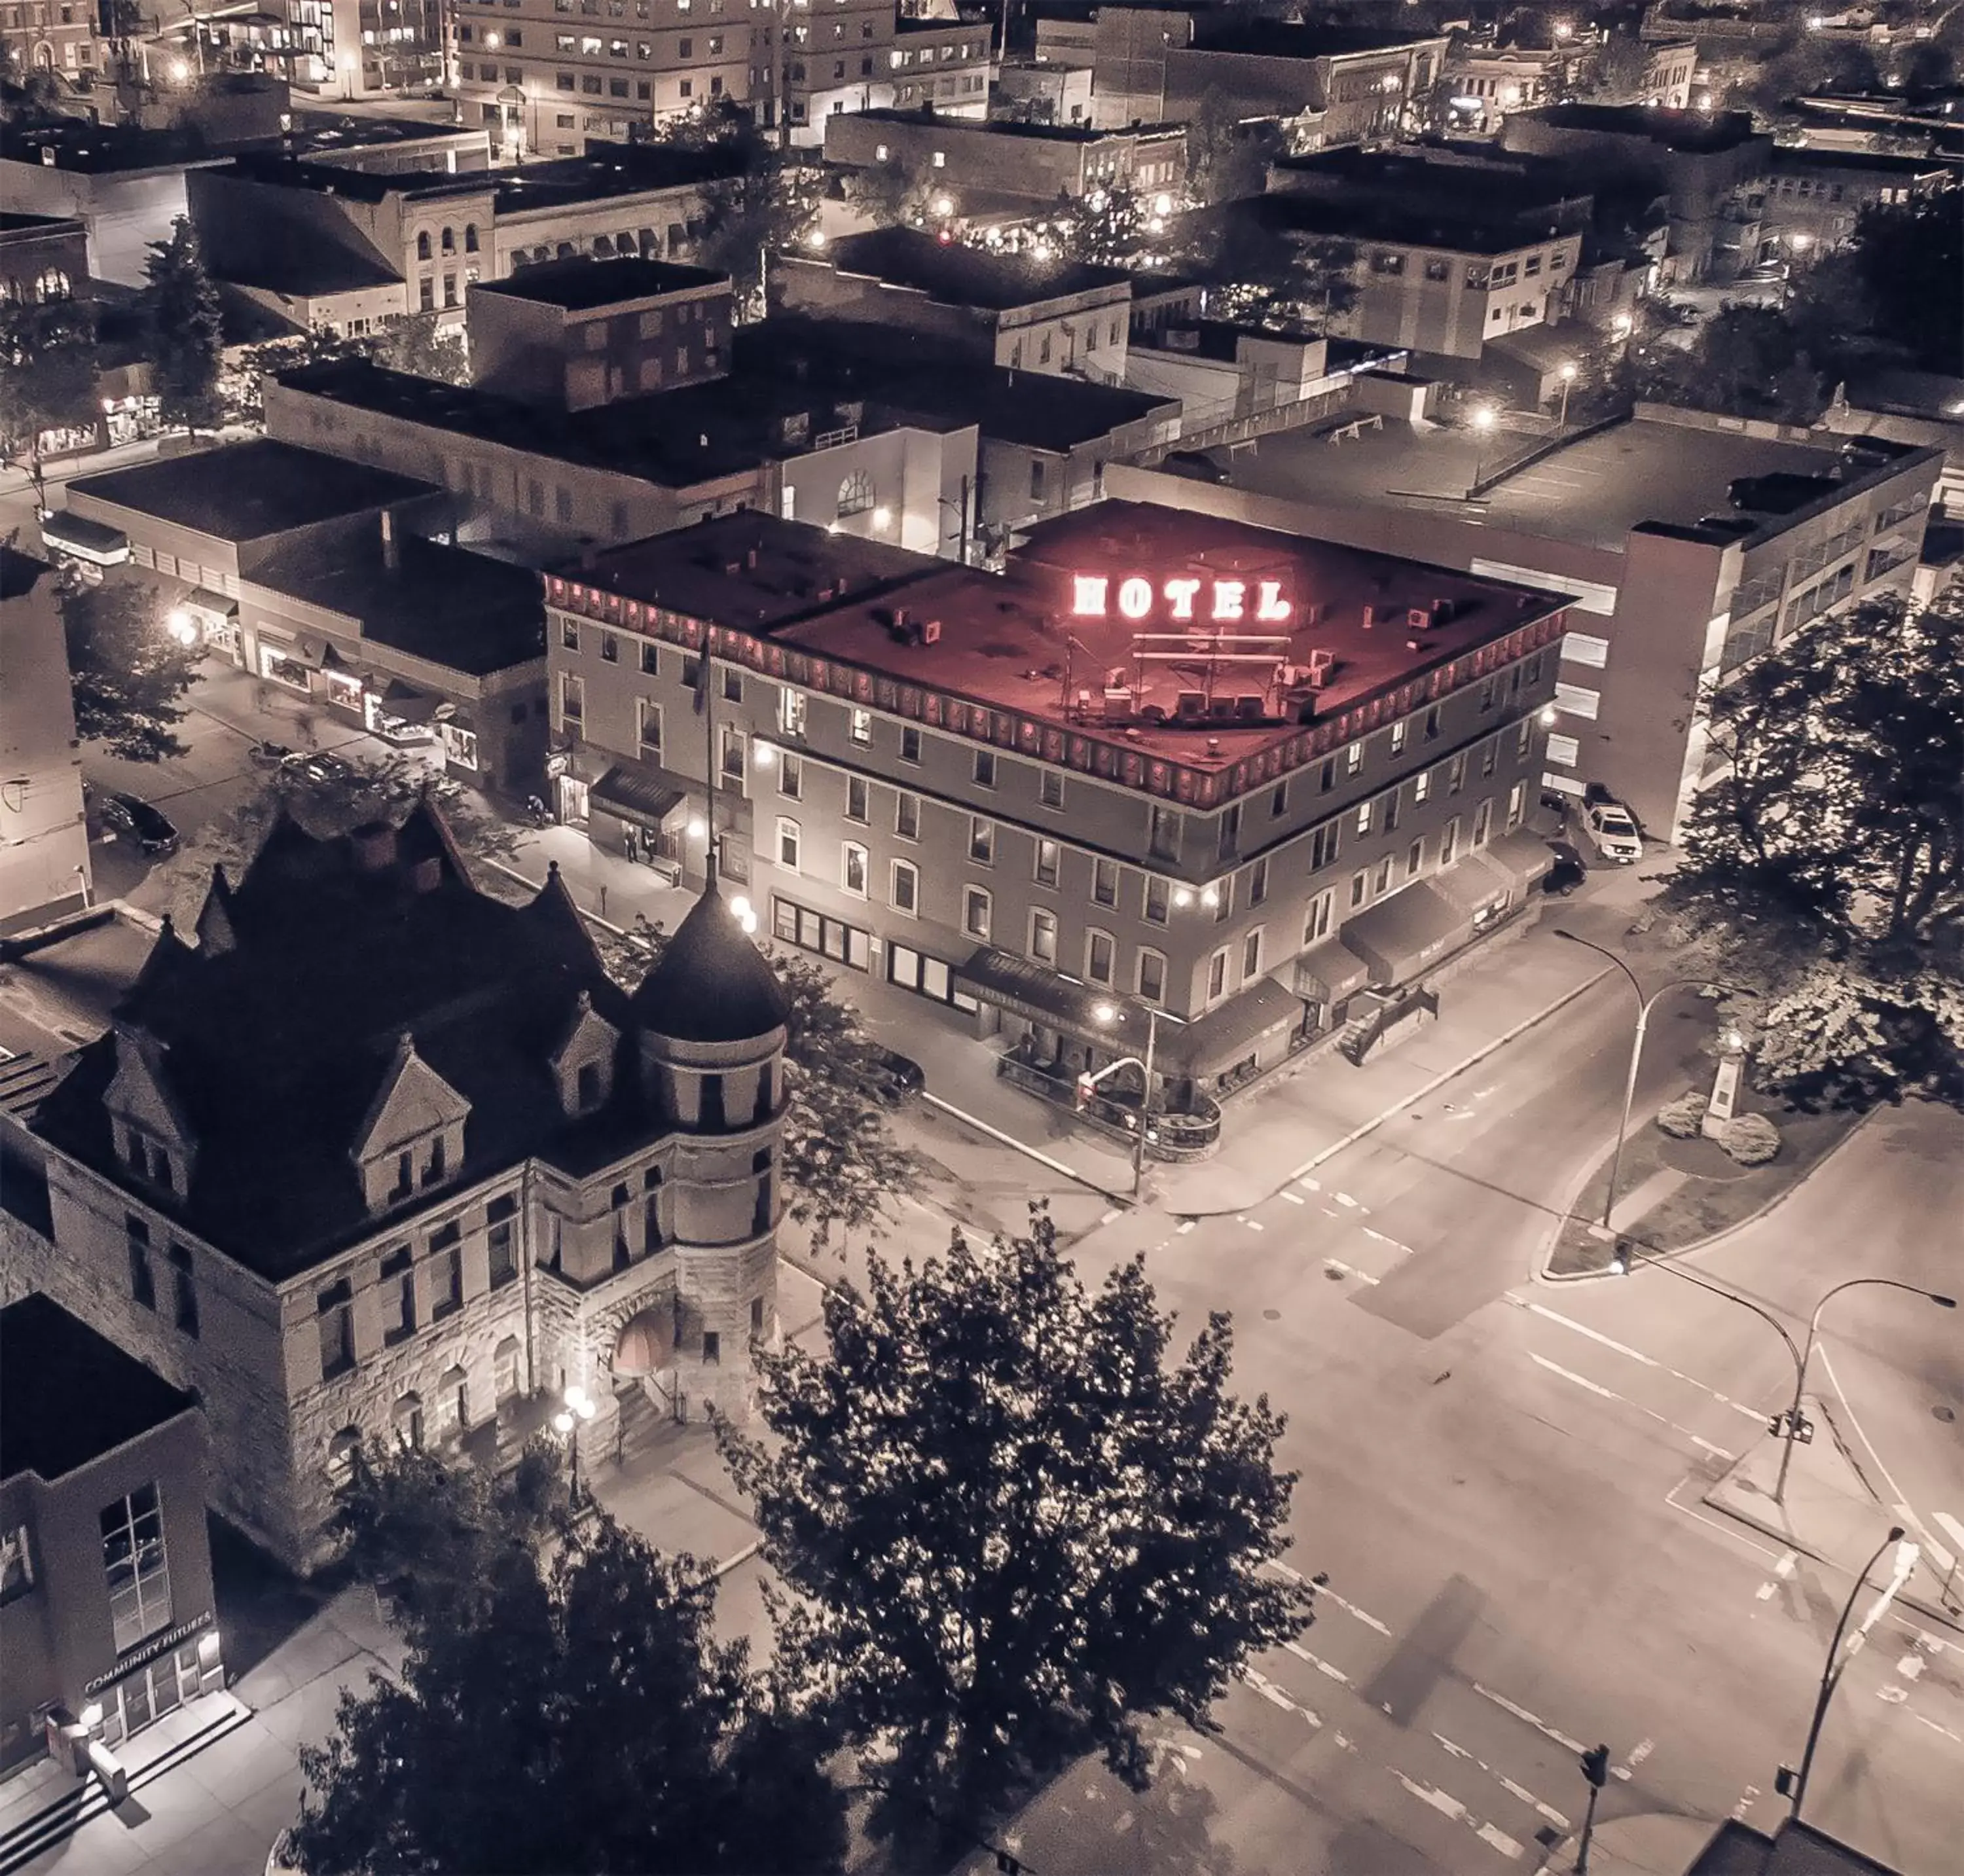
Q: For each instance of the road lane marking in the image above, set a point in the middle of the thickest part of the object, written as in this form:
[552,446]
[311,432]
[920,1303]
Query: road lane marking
[1345,1270]
[1275,1696]
[1114,1212]
[1187,1225]
[1309,1184]
[1745,1803]
[1642,1751]
[1766,1590]
[1959,1737]
[1316,1662]
[1507,1784]
[1346,1200]
[1594,1335]
[1540,1725]
[1623,1400]
[1784,1568]
[1717,1452]
[1295,1198]
[1637,1355]
[1580,1381]
[1404,1250]
[1447,1806]
[1726,1531]
[1254,1224]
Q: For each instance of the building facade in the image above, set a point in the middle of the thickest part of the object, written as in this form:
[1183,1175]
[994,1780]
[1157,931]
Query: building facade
[107,1615]
[1042,161]
[45,865]
[382,1158]
[1007,795]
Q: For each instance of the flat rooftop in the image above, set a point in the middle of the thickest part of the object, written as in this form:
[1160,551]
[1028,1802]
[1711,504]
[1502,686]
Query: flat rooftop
[750,570]
[69,1395]
[1016,643]
[1275,39]
[247,491]
[1688,130]
[1468,225]
[610,169]
[1592,492]
[1029,133]
[965,277]
[583,286]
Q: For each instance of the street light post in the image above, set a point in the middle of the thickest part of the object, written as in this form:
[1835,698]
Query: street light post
[1482,422]
[1111,1016]
[1794,1785]
[1567,376]
[578,1407]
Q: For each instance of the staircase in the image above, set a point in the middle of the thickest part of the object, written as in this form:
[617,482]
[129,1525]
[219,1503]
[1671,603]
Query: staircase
[643,1426]
[1389,1022]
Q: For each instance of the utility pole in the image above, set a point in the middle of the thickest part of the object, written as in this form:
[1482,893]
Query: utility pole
[1596,1769]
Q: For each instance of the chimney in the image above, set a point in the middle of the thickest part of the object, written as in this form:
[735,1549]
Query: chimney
[392,555]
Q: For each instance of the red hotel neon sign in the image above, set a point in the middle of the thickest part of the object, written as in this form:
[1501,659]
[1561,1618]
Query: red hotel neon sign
[1227,601]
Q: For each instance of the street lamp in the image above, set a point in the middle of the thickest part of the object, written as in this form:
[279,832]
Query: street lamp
[578,1407]
[1794,1786]
[1482,421]
[1645,1005]
[1110,1016]
[1566,374]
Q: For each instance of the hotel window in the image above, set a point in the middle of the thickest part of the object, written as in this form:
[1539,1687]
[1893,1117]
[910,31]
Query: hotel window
[446,1271]
[1251,954]
[1383,882]
[1159,899]
[1220,897]
[649,732]
[791,776]
[732,764]
[1163,838]
[1421,788]
[852,869]
[1048,859]
[1104,882]
[1391,801]
[976,906]
[855,494]
[910,743]
[1363,811]
[1050,787]
[1483,822]
[981,841]
[859,725]
[1325,843]
[856,798]
[1488,751]
[732,687]
[1414,859]
[572,698]
[185,1290]
[788,837]
[569,635]
[1217,975]
[1100,956]
[651,661]
[985,768]
[1327,779]
[1258,882]
[1151,977]
[1360,882]
[398,1295]
[1399,736]
[1448,842]
[1456,773]
[1524,736]
[1517,804]
[134,1562]
[1316,920]
[1432,724]
[334,1309]
[906,816]
[1353,757]
[502,1239]
[1278,801]
[1043,935]
[143,1279]
[904,890]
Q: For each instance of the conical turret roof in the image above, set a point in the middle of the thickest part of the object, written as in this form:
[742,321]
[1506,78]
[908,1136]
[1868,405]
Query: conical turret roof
[712,984]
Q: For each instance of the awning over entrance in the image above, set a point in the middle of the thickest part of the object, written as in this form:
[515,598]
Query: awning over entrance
[634,791]
[216,605]
[1041,996]
[1330,971]
[93,541]
[407,703]
[1224,1035]
[1523,857]
[1399,936]
[1480,890]
[646,1344]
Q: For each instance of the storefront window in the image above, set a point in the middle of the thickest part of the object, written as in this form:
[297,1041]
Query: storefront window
[460,746]
[274,663]
[343,690]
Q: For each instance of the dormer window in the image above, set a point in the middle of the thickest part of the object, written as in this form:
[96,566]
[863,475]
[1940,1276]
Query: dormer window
[405,1176]
[434,1168]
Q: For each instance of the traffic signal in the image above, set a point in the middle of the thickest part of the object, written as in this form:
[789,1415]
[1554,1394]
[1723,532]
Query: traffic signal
[1595,1766]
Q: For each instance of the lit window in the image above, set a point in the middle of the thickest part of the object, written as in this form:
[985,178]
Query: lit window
[852,869]
[787,845]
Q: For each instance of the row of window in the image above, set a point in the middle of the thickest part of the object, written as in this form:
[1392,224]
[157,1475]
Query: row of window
[445,241]
[143,1275]
[591,84]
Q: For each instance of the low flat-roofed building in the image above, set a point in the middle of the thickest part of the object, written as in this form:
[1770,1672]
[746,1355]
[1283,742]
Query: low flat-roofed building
[1163,759]
[1690,542]
[1042,161]
[107,1616]
[1065,317]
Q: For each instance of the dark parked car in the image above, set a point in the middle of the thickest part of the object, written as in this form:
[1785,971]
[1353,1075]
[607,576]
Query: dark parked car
[149,830]
[1195,465]
[894,1078]
[319,765]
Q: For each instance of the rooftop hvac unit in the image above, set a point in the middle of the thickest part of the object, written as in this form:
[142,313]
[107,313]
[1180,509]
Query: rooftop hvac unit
[1370,618]
[1190,703]
[930,632]
[1248,709]
[1418,618]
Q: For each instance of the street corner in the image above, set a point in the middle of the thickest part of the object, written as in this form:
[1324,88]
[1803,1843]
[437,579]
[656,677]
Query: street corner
[1647,1843]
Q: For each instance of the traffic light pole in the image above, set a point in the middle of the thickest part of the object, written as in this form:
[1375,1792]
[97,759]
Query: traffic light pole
[1596,1769]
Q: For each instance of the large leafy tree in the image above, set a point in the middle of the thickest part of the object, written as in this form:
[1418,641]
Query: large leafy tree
[1909,260]
[47,377]
[414,342]
[840,1161]
[1826,869]
[766,207]
[187,340]
[1746,360]
[127,673]
[1019,1530]
[577,1714]
[1270,276]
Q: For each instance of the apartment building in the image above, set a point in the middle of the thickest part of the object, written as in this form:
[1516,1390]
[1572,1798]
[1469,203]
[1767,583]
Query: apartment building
[1484,83]
[1039,162]
[1814,198]
[863,58]
[1069,320]
[384,1158]
[1163,760]
[106,1617]
[57,36]
[1689,543]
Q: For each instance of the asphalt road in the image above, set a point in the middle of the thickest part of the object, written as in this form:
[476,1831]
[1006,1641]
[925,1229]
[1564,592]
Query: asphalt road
[1504,1479]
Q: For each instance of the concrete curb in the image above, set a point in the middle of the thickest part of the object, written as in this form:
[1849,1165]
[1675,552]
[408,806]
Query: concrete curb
[1541,1274]
[1023,1147]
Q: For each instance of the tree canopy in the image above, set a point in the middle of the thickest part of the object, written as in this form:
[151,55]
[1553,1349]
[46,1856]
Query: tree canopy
[1746,360]
[47,375]
[573,1712]
[1018,1529]
[127,673]
[187,339]
[413,342]
[840,1161]
[1826,868]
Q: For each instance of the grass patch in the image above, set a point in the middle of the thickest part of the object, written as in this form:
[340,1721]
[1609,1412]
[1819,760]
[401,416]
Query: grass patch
[1704,1203]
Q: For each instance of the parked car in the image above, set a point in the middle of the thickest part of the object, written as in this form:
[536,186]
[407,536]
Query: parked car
[1195,465]
[894,1078]
[319,765]
[1611,829]
[147,829]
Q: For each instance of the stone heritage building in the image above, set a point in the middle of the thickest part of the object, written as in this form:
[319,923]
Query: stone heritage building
[381,1155]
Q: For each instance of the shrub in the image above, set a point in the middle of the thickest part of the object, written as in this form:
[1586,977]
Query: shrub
[1751,1139]
[1683,1119]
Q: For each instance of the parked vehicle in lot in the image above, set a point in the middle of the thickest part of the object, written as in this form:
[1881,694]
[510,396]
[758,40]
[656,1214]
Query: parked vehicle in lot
[319,765]
[1611,829]
[895,1078]
[1195,465]
[147,829]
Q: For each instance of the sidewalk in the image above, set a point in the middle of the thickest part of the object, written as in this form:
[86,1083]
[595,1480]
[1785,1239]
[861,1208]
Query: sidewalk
[1652,1843]
[1832,1513]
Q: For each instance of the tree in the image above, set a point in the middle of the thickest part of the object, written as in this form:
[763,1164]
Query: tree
[887,197]
[767,207]
[186,336]
[1911,261]
[413,342]
[1226,158]
[1930,66]
[574,1715]
[840,1161]
[328,804]
[1277,279]
[1746,360]
[416,343]
[47,378]
[1018,1531]
[1826,869]
[126,672]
